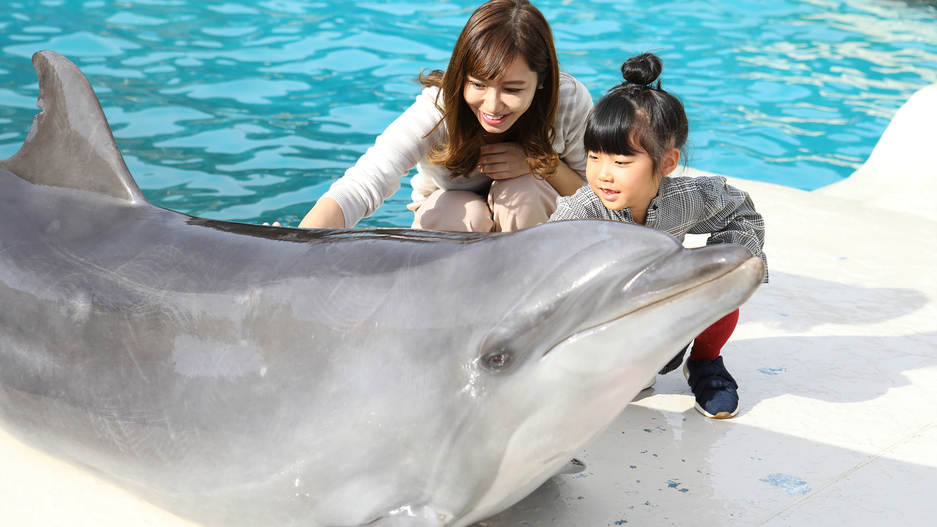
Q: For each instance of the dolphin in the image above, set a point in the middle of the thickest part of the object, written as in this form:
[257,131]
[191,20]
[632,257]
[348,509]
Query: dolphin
[242,375]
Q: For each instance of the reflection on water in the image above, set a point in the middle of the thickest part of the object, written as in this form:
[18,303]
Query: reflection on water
[247,111]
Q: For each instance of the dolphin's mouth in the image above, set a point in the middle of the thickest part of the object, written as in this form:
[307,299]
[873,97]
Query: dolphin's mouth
[721,269]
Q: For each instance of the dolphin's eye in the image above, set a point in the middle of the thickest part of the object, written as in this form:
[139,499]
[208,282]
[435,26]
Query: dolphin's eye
[497,361]
[499,351]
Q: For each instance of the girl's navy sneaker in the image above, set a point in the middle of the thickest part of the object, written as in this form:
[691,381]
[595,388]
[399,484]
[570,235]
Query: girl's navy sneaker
[714,388]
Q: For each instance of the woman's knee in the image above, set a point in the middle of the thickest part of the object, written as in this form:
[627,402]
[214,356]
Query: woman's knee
[454,211]
[521,202]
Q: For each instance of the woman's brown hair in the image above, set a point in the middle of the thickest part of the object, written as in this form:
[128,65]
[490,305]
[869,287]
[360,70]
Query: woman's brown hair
[495,35]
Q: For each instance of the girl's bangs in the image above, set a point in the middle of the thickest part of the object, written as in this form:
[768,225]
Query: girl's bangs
[612,131]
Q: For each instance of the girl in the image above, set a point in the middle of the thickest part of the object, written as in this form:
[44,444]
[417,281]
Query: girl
[634,138]
[496,138]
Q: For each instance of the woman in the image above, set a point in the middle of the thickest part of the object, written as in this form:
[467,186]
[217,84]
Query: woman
[496,138]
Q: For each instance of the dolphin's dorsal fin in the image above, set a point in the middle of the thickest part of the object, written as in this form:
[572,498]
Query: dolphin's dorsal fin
[70,144]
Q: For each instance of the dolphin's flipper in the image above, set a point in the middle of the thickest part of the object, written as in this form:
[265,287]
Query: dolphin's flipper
[70,144]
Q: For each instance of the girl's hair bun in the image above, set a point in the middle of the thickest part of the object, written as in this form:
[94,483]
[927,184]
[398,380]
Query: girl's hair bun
[642,69]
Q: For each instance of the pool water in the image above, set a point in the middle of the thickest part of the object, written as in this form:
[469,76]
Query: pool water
[248,110]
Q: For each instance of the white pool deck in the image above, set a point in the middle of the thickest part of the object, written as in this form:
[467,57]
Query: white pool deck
[836,360]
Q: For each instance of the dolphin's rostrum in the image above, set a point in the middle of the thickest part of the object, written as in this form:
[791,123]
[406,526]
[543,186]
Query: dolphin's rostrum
[244,375]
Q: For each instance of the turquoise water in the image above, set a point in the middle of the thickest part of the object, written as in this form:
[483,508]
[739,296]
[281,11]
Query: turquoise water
[247,110]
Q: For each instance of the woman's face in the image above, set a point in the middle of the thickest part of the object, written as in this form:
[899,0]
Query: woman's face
[498,104]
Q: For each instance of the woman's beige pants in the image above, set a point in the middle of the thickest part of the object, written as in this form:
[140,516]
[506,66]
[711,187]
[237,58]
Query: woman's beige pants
[511,204]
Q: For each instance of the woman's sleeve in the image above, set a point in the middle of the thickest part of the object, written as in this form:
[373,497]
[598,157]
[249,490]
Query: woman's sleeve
[575,103]
[730,217]
[376,175]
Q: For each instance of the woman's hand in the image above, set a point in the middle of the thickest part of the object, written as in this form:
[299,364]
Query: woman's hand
[503,161]
[508,160]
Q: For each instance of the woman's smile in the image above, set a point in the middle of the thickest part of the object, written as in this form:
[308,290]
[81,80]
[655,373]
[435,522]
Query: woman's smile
[493,120]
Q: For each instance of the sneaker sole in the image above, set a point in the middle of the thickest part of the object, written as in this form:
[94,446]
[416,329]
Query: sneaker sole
[720,415]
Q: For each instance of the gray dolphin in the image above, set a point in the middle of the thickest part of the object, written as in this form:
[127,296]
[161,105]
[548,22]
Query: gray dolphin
[245,375]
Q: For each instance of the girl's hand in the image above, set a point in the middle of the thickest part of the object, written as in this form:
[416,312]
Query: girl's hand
[503,161]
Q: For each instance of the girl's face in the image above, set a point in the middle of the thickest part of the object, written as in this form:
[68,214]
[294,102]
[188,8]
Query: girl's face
[627,181]
[499,104]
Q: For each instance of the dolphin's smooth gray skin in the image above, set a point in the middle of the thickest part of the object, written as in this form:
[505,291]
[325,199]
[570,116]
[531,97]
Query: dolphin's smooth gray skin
[244,375]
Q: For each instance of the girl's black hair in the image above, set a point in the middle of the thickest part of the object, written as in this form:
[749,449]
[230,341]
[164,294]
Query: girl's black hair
[636,115]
